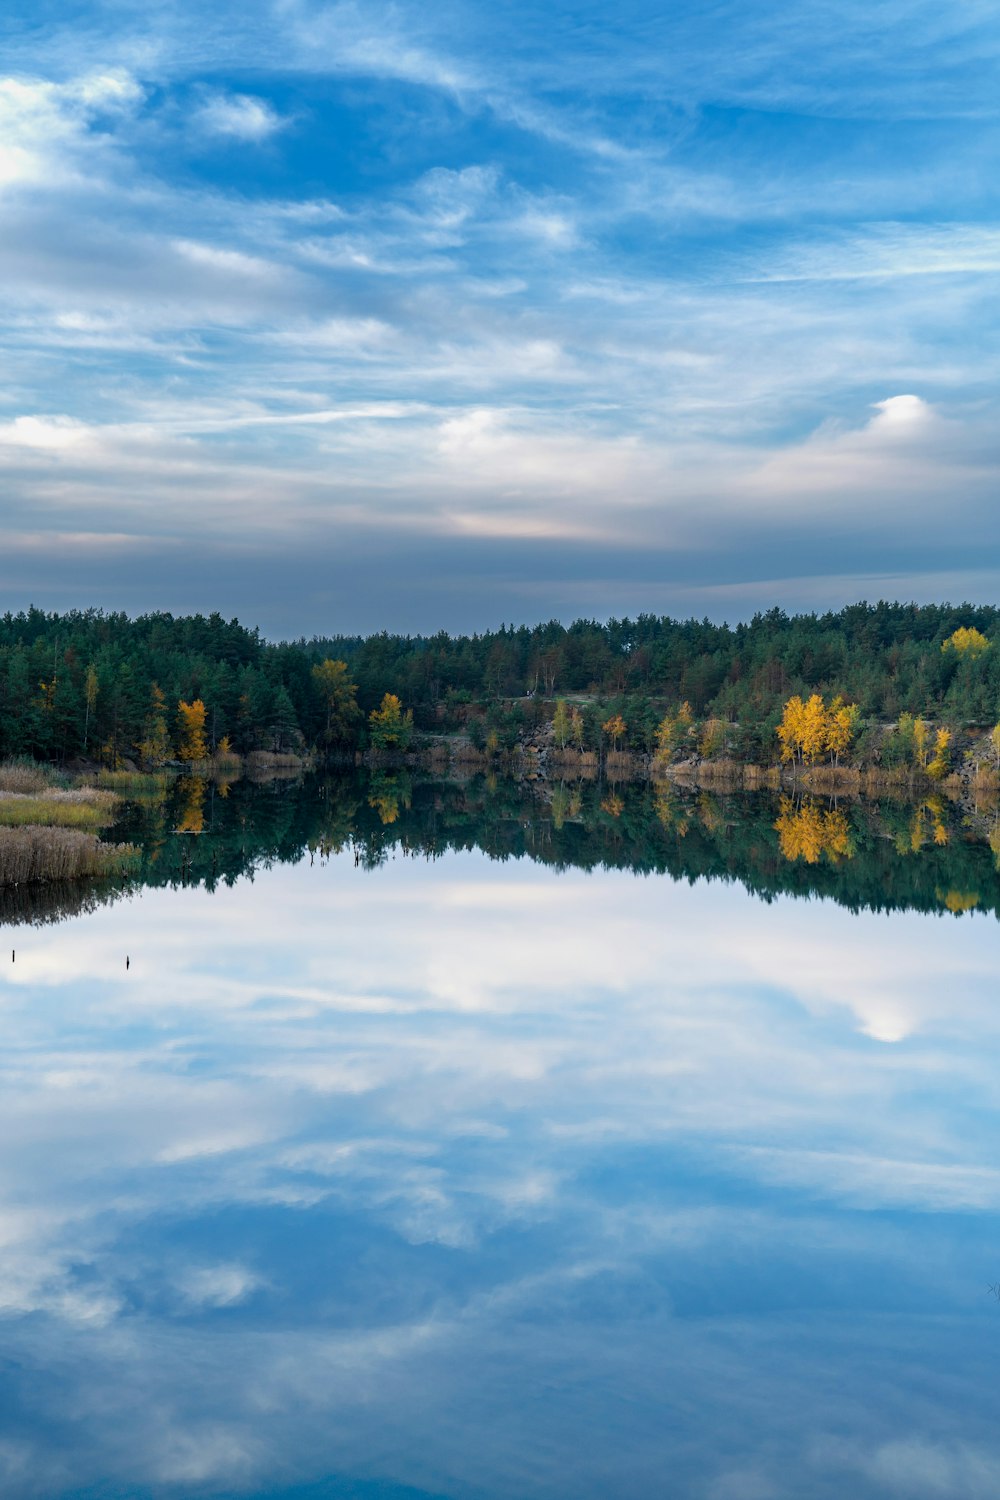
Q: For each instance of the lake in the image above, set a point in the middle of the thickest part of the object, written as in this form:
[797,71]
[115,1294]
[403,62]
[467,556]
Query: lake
[505,1141]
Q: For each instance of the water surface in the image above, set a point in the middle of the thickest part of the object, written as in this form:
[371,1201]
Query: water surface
[382,1175]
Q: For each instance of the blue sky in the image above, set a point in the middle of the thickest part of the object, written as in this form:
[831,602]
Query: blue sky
[342,316]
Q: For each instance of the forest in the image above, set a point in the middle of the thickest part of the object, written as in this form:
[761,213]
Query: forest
[89,685]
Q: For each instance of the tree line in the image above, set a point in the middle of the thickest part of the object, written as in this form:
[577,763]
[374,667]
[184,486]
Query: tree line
[86,684]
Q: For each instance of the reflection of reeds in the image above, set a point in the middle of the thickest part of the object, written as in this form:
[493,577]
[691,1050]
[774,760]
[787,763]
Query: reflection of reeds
[83,807]
[265,759]
[30,854]
[136,785]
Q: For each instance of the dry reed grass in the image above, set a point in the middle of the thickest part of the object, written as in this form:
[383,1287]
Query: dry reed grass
[576,759]
[81,807]
[24,776]
[42,854]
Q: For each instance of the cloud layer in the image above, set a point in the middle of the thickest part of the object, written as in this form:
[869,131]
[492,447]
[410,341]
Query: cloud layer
[522,317]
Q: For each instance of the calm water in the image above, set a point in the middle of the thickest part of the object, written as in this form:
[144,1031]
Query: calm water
[380,1175]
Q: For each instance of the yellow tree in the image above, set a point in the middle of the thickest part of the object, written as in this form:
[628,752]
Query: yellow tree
[920,754]
[813,728]
[840,724]
[667,736]
[966,641]
[191,723]
[391,728]
[578,731]
[614,728]
[562,725]
[713,738]
[790,730]
[938,767]
[339,696]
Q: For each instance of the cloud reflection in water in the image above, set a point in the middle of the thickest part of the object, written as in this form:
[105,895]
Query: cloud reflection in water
[475,1179]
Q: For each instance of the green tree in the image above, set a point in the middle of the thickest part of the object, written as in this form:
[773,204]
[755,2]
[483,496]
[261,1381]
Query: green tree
[154,747]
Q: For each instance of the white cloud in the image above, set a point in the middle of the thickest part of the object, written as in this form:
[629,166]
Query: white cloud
[239,116]
[46,134]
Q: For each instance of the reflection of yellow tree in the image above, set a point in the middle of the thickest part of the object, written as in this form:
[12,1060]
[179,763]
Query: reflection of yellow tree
[959,901]
[709,813]
[995,844]
[613,805]
[665,803]
[808,832]
[386,794]
[560,805]
[928,818]
[192,790]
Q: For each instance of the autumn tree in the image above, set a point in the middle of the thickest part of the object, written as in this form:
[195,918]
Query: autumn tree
[803,729]
[562,725]
[578,729]
[666,739]
[966,642]
[339,696]
[191,731]
[671,731]
[389,726]
[713,738]
[790,730]
[841,720]
[941,761]
[615,728]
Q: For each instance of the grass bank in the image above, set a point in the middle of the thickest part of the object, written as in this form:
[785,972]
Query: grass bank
[43,854]
[49,828]
[86,808]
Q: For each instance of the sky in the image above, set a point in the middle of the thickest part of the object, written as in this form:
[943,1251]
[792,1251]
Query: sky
[343,317]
